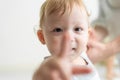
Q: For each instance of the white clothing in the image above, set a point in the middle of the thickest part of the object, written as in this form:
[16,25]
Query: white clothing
[92,76]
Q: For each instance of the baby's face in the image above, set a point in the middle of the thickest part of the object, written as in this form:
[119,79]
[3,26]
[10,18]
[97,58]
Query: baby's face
[73,25]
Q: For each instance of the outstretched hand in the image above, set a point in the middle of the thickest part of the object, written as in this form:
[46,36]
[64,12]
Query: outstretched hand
[98,51]
[59,67]
[115,44]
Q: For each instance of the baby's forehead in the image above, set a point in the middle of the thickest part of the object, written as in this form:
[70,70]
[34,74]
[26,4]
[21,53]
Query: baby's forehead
[63,11]
[65,21]
[67,12]
[75,14]
[59,10]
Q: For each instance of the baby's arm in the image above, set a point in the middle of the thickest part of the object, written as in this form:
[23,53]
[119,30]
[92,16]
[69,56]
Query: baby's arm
[56,69]
[98,51]
[59,67]
[114,45]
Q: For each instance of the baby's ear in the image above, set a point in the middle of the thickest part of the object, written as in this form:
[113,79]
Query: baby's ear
[40,36]
[92,34]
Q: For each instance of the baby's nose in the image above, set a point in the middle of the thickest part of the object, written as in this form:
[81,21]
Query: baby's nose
[69,36]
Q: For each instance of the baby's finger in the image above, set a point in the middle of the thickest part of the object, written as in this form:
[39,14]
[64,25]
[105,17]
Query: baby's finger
[65,50]
[81,70]
[60,70]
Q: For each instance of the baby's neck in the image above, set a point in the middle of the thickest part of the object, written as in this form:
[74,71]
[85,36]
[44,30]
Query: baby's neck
[79,61]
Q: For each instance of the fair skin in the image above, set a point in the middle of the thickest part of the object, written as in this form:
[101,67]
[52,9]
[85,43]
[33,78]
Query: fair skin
[56,28]
[66,37]
[99,51]
[95,44]
[100,33]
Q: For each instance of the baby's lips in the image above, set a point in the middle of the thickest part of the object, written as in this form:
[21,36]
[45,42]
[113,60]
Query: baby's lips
[81,70]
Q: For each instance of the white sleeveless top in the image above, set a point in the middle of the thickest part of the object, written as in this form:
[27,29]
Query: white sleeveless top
[92,76]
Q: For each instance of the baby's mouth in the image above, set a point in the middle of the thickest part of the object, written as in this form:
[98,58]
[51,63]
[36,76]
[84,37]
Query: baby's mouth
[73,49]
[73,53]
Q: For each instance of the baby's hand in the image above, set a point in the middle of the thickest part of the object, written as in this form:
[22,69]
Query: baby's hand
[115,45]
[59,67]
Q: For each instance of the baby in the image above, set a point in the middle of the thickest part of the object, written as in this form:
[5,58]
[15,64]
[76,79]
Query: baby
[64,28]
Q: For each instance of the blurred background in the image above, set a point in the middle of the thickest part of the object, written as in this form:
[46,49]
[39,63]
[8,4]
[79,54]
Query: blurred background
[20,50]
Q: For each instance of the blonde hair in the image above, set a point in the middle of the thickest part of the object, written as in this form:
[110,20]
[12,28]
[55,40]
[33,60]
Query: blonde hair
[58,6]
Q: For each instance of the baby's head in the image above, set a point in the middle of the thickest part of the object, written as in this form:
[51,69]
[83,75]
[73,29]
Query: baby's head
[62,20]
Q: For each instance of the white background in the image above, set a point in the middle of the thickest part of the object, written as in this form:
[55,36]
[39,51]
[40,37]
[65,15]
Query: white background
[20,49]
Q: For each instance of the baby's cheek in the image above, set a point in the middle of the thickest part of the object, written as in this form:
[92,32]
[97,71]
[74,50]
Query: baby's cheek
[54,49]
[84,45]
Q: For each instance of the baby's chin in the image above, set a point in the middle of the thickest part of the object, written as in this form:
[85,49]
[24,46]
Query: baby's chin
[74,55]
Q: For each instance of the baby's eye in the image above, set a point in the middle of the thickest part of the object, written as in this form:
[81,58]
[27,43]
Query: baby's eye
[78,29]
[57,30]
